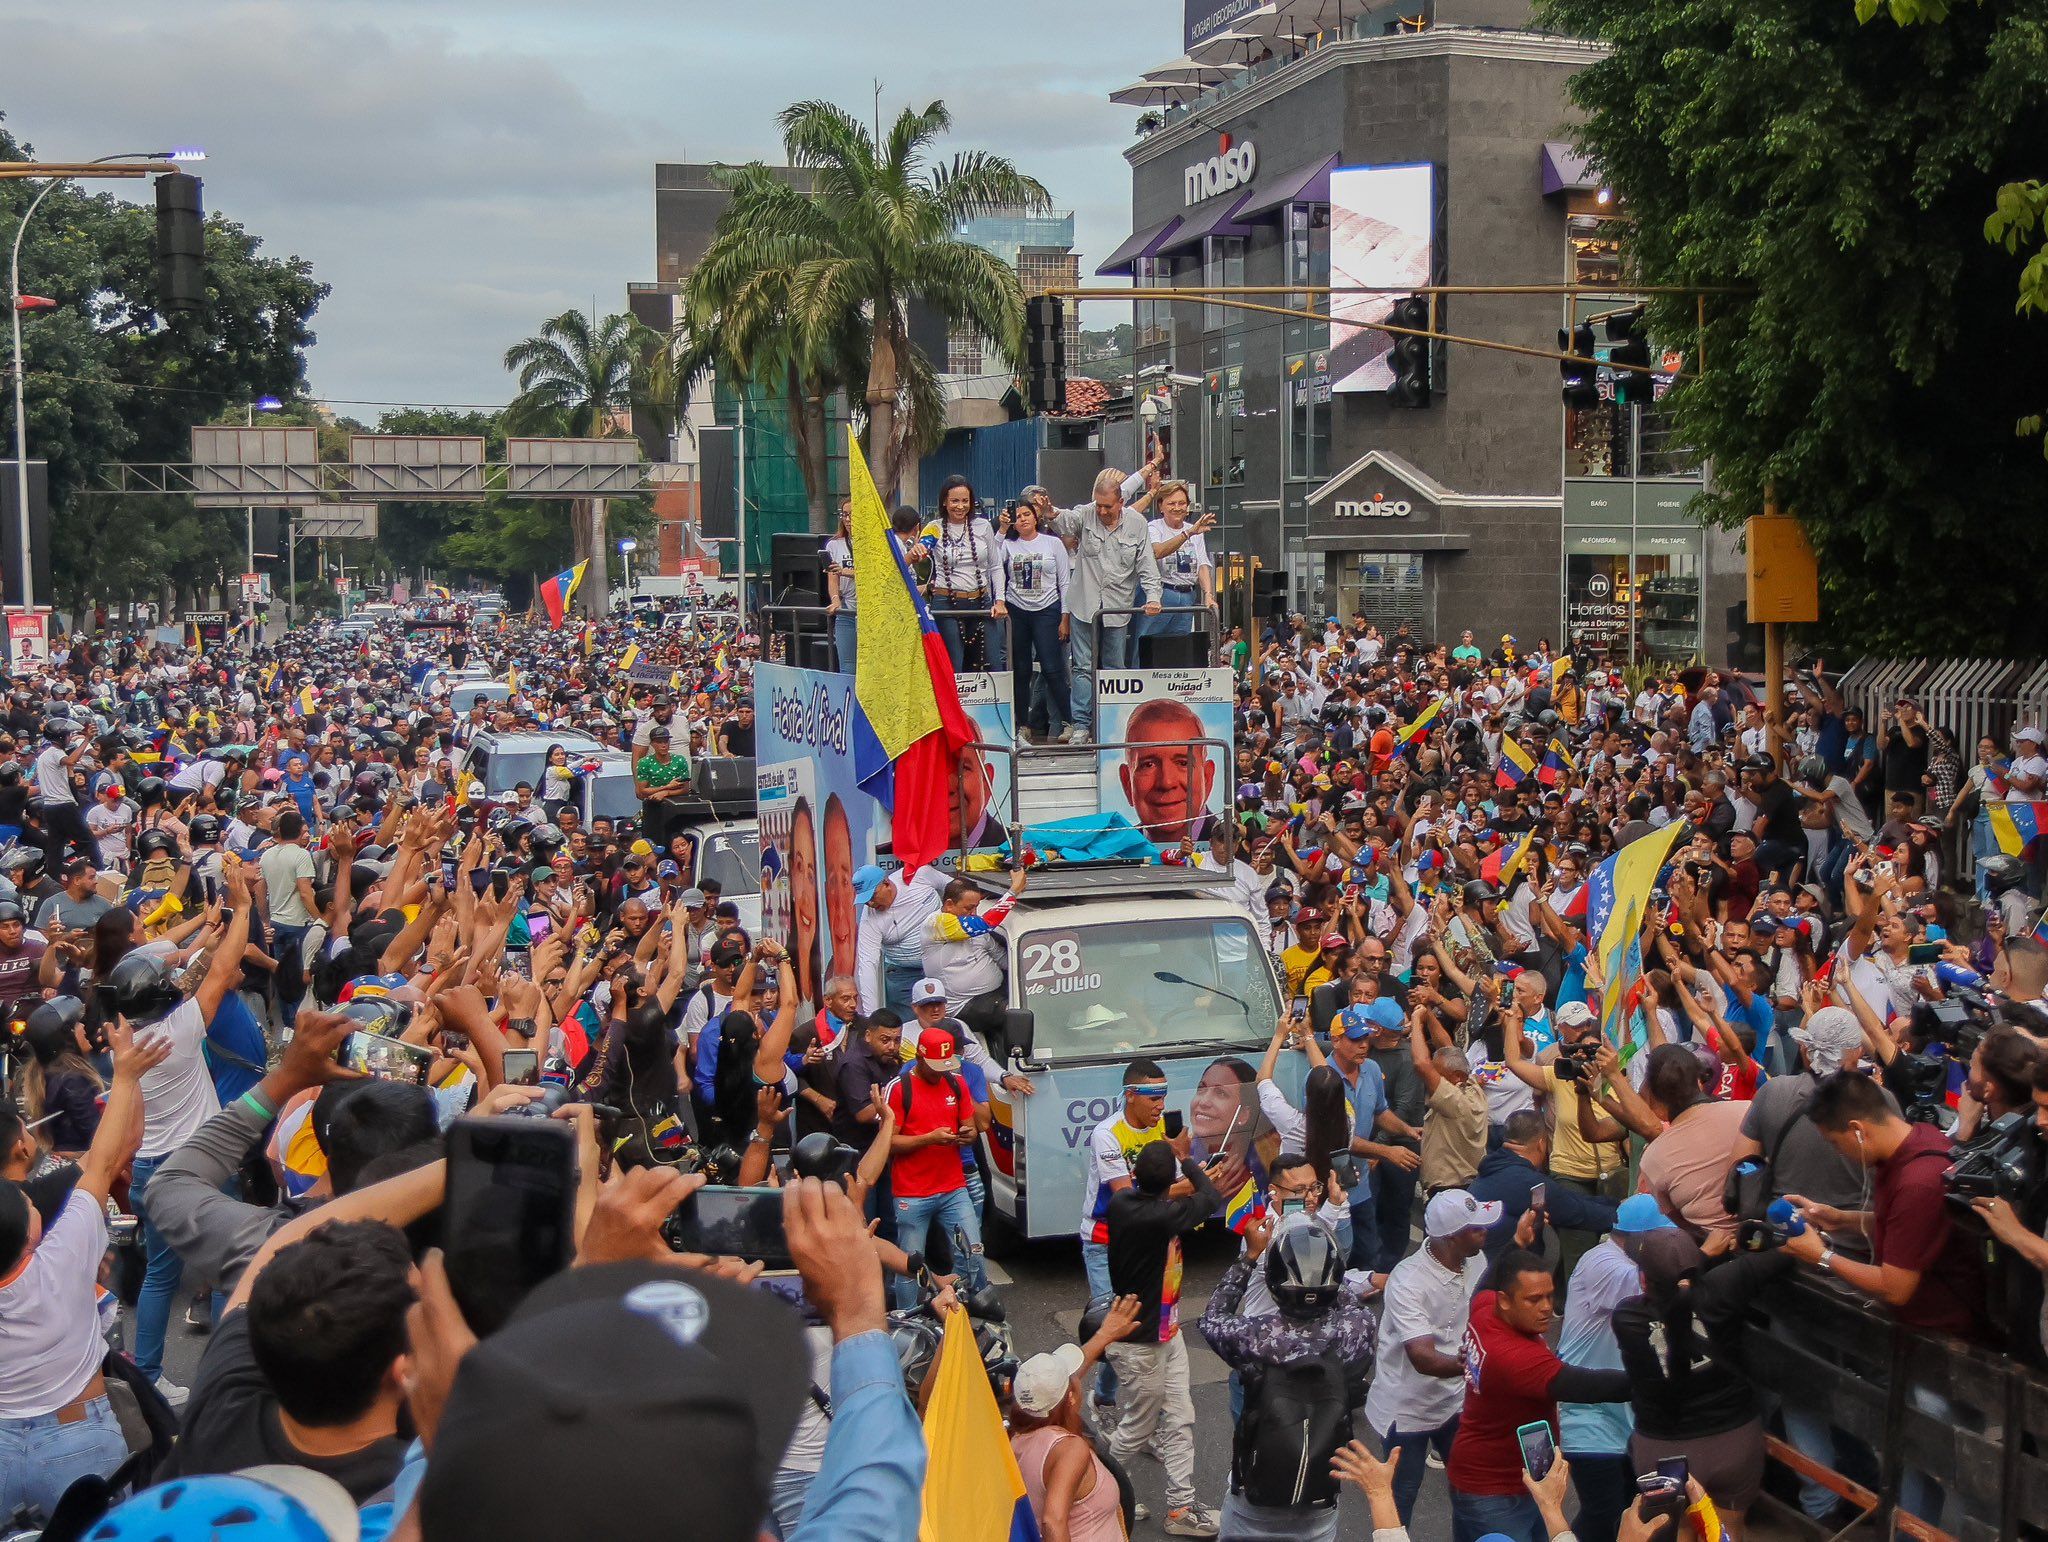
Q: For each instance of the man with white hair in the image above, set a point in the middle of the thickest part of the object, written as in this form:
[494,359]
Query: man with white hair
[1114,570]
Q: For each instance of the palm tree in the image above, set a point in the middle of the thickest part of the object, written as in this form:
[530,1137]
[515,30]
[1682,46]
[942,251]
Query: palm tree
[877,230]
[580,379]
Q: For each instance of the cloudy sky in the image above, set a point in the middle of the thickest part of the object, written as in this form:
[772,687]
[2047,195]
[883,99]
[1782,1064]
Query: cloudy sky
[460,169]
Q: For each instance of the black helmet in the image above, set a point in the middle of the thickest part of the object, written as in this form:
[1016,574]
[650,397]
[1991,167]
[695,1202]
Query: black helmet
[1304,1270]
[10,774]
[141,989]
[1478,891]
[149,792]
[1375,715]
[380,1015]
[818,1155]
[23,865]
[9,911]
[155,843]
[1813,771]
[546,841]
[49,1026]
[1547,718]
[2002,873]
[515,831]
[58,730]
[204,830]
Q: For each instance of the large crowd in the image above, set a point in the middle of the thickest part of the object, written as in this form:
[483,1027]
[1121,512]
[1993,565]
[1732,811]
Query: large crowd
[415,1096]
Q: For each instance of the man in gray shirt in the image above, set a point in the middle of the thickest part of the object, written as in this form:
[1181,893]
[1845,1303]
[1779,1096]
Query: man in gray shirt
[1113,568]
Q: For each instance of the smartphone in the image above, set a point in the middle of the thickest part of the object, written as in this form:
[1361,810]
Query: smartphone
[1677,1468]
[1344,1167]
[1924,953]
[387,1059]
[730,1222]
[1536,1196]
[519,962]
[1539,1447]
[522,1067]
[509,1220]
[1300,1007]
[1174,1123]
[501,884]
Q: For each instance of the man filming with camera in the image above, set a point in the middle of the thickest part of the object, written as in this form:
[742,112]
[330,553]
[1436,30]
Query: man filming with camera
[2004,1221]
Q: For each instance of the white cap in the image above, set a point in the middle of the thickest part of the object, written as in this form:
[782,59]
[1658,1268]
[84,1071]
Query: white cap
[2028,732]
[927,989]
[1454,1210]
[1574,1014]
[1041,1382]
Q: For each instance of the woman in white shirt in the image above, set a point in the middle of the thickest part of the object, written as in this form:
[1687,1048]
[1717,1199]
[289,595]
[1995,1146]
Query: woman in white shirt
[56,1425]
[966,576]
[1320,1127]
[1036,568]
[839,579]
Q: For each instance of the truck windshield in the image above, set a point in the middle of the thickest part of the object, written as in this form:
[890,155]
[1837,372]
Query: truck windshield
[1145,987]
[732,857]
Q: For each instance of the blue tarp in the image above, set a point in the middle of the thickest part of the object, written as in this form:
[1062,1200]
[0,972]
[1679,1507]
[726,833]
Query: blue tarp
[1092,838]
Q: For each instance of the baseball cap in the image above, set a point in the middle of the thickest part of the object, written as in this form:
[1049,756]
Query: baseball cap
[1041,1382]
[1639,1213]
[926,990]
[1356,1022]
[1384,1013]
[1829,1035]
[693,899]
[1454,1210]
[625,1371]
[640,849]
[865,881]
[1335,944]
[935,1047]
[668,869]
[1308,915]
[1575,1014]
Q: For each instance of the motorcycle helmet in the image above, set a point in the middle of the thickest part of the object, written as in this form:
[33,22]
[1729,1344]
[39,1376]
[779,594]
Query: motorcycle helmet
[1813,771]
[916,1343]
[10,774]
[49,1026]
[379,1015]
[204,830]
[10,911]
[2002,873]
[1304,1270]
[149,792]
[141,989]
[1547,718]
[23,866]
[1478,891]
[819,1156]
[59,730]
[217,1509]
[545,841]
[155,843]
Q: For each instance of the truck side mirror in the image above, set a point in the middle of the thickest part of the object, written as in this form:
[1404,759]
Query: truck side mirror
[1019,1026]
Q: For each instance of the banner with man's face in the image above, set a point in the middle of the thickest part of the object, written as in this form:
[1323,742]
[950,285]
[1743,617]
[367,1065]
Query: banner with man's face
[1155,768]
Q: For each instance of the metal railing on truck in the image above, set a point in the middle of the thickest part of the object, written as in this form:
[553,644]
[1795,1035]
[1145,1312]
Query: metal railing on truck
[1833,1353]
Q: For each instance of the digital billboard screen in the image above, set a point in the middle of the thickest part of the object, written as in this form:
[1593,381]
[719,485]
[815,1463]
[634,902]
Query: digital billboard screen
[1382,236]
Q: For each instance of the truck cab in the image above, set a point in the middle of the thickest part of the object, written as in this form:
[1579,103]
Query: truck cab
[1107,964]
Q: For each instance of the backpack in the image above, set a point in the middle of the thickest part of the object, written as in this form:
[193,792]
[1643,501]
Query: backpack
[1295,1418]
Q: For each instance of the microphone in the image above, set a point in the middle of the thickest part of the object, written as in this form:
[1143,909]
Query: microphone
[1785,1219]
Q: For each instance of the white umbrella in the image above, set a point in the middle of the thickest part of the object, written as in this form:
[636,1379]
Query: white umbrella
[1228,50]
[1155,93]
[1185,71]
[1304,18]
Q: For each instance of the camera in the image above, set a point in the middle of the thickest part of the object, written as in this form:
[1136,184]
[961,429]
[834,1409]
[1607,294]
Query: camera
[2003,1161]
[1575,1062]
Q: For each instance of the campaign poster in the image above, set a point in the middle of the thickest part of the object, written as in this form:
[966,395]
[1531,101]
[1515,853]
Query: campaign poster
[823,828]
[983,800]
[1154,768]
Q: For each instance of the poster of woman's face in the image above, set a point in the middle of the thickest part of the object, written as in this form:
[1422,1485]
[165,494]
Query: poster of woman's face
[842,918]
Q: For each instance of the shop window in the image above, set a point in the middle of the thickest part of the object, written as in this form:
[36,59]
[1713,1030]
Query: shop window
[1667,595]
[1386,588]
[1308,264]
[1225,425]
[1153,321]
[1632,596]
[1222,268]
[1307,392]
[1596,590]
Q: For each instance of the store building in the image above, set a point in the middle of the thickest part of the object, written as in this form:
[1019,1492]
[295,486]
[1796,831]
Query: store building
[1416,143]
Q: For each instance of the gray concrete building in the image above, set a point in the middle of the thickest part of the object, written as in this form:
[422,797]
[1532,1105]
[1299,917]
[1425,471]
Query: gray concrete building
[1418,143]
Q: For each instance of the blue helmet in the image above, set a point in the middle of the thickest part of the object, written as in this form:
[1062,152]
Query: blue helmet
[211,1509]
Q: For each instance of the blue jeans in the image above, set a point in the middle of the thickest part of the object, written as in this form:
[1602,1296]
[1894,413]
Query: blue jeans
[843,641]
[954,1211]
[786,1498]
[1364,1251]
[1116,651]
[287,946]
[1393,1200]
[1244,1522]
[1606,1482]
[1514,1516]
[160,1280]
[898,980]
[1166,623]
[1414,1448]
[972,642]
[40,1458]
[1035,634]
[1095,1260]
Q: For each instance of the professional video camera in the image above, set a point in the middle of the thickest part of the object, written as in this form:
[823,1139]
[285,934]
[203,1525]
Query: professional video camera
[2003,1161]
[1944,1034]
[1575,1061]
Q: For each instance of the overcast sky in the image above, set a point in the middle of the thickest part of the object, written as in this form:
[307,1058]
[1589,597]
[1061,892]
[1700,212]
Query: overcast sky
[459,170]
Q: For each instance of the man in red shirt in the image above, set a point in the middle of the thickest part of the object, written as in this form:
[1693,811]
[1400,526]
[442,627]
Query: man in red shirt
[936,1118]
[1512,1378]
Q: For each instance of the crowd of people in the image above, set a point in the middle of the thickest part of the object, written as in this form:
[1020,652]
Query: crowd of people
[278,971]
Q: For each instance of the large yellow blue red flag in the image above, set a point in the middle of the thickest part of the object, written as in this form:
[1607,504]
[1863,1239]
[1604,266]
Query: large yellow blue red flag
[1516,764]
[2016,826]
[1421,722]
[910,728]
[558,591]
[1617,898]
[973,1491]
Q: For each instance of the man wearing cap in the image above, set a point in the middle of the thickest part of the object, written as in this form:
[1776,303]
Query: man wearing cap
[889,954]
[1306,956]
[931,1005]
[1419,1387]
[965,951]
[936,1120]
[1593,1168]
[659,778]
[1365,1093]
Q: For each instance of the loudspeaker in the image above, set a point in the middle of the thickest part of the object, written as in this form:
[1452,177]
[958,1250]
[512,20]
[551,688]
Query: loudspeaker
[797,562]
[717,484]
[1269,587]
[38,531]
[1174,650]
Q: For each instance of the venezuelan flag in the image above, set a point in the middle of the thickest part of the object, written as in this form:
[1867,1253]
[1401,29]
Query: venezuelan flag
[1244,1207]
[626,659]
[1558,666]
[1421,722]
[973,1491]
[2016,826]
[1618,898]
[558,591]
[1557,762]
[1516,765]
[309,700]
[909,728]
[1501,867]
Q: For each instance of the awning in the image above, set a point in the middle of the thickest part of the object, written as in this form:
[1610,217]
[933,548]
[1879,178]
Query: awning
[1306,183]
[1141,243]
[1217,217]
[1567,171]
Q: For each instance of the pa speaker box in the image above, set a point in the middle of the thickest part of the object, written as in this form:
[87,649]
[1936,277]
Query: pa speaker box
[1174,650]
[718,485]
[724,776]
[38,531]
[797,563]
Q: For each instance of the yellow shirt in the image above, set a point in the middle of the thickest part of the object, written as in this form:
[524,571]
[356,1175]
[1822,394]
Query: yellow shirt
[1571,1154]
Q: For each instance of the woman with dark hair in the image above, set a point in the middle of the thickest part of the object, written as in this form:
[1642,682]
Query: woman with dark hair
[967,575]
[1320,1128]
[60,1083]
[749,1057]
[559,783]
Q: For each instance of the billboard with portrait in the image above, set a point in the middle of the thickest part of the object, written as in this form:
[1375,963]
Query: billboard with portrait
[1382,236]
[982,799]
[1165,781]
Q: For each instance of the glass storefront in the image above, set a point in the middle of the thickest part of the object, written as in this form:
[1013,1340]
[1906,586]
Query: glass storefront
[1390,587]
[1632,590]
[1224,430]
[1307,393]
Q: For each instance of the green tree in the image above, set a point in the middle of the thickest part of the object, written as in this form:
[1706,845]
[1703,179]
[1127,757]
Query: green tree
[876,232]
[111,377]
[580,378]
[1873,367]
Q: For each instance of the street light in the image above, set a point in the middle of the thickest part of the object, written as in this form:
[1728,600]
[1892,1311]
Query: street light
[15,308]
[627,546]
[261,404]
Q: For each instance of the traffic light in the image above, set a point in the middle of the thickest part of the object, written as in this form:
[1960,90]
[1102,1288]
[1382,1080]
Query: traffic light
[1629,335]
[1045,354]
[180,244]
[1409,358]
[1270,591]
[1580,374]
